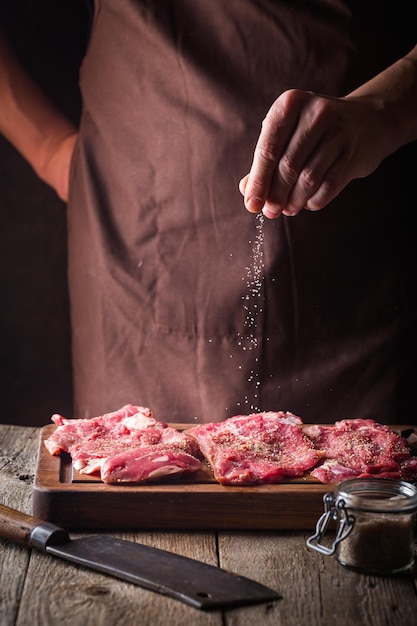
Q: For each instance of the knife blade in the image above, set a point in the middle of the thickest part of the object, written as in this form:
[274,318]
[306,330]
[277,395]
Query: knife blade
[193,582]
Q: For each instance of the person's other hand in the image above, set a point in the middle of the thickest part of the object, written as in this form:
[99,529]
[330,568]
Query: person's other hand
[310,147]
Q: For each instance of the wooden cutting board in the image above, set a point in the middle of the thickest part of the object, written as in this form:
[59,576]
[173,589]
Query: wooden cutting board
[197,502]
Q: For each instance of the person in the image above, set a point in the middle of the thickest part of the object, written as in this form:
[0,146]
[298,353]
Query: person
[180,300]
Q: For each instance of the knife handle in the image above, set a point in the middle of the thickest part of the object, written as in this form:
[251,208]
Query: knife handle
[30,531]
[17,526]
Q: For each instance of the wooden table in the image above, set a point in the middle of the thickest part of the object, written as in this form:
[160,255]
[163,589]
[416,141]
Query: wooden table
[39,590]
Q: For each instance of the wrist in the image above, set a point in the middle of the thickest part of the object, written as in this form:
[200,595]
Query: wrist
[393,96]
[54,160]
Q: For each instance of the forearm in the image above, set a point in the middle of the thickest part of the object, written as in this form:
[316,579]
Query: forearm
[32,124]
[393,92]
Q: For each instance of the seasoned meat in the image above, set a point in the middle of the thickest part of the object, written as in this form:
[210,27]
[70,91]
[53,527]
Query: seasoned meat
[361,448]
[127,445]
[256,448]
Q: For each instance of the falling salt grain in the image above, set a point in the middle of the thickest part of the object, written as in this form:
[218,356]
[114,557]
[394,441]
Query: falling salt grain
[254,281]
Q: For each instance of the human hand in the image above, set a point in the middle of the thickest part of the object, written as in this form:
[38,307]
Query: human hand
[310,147]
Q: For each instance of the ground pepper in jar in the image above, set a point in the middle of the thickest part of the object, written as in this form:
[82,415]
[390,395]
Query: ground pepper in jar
[375,525]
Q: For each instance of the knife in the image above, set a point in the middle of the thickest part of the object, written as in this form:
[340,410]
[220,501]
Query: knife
[193,582]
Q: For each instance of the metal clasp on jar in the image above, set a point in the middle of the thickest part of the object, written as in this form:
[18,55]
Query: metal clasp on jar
[334,510]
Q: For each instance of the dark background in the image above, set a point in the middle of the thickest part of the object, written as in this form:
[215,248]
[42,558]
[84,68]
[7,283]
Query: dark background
[49,37]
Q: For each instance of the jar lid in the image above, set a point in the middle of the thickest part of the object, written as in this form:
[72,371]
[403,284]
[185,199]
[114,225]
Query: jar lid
[384,495]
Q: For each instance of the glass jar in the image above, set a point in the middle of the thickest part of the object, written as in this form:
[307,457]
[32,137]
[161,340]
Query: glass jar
[374,525]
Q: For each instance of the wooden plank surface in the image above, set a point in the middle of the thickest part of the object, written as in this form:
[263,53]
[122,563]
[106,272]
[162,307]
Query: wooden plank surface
[316,590]
[18,449]
[196,502]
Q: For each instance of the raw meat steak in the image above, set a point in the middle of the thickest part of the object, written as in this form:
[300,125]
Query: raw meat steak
[128,445]
[256,448]
[88,441]
[147,463]
[361,448]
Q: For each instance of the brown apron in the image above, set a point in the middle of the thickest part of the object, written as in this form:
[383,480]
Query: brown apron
[180,299]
